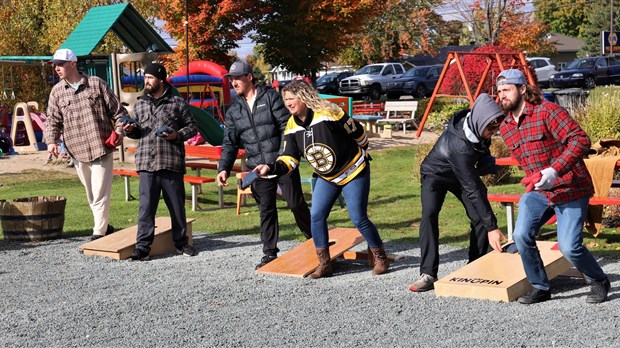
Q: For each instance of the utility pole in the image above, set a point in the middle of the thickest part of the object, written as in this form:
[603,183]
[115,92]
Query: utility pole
[611,26]
[187,49]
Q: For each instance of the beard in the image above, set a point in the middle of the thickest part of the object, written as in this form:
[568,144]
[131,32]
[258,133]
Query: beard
[151,89]
[509,105]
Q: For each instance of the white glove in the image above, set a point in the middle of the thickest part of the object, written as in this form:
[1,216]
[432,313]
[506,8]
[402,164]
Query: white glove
[548,178]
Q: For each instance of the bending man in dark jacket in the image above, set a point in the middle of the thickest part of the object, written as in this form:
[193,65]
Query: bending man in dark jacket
[455,164]
[256,120]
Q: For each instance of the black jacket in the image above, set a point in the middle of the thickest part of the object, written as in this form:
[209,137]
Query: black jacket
[454,158]
[259,132]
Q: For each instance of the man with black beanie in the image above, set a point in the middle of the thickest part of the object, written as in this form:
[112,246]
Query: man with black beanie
[460,156]
[163,122]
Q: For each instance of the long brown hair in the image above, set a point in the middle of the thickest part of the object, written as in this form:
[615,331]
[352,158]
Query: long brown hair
[533,95]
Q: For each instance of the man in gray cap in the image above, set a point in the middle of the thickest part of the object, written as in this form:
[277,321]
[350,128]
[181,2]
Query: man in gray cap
[460,156]
[550,147]
[83,110]
[256,121]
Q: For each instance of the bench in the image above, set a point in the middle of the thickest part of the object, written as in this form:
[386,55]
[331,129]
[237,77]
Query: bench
[195,181]
[508,201]
[368,108]
[400,111]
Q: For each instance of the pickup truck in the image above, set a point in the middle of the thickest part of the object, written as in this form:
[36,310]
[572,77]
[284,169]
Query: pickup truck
[587,73]
[371,80]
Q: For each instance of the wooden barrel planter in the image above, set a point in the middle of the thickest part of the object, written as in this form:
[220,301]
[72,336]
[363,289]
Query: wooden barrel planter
[33,218]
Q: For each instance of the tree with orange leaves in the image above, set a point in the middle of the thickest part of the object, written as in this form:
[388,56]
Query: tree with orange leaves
[505,23]
[404,27]
[214,27]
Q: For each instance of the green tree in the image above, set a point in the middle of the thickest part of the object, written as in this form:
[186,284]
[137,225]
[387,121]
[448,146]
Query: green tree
[567,17]
[598,20]
[300,34]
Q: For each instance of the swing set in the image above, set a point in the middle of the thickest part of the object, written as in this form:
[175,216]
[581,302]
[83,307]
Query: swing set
[6,90]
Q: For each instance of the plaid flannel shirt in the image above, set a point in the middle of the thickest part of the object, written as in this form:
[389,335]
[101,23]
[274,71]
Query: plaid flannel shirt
[84,117]
[156,153]
[547,136]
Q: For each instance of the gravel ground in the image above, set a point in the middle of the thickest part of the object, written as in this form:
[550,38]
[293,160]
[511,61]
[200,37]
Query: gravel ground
[53,296]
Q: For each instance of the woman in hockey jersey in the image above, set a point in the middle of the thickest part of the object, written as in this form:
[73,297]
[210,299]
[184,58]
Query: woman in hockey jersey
[336,147]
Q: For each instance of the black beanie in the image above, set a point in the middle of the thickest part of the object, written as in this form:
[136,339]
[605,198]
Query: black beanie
[156,70]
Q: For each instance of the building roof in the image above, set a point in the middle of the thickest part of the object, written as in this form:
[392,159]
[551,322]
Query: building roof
[123,19]
[565,44]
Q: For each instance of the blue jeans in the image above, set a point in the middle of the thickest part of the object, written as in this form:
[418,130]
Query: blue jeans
[534,211]
[356,196]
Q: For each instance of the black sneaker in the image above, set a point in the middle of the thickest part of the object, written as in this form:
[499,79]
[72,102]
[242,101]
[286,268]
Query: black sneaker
[139,255]
[265,260]
[187,250]
[95,237]
[110,230]
[535,296]
[598,291]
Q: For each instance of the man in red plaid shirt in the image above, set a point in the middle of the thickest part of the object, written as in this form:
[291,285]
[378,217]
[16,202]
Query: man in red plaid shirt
[550,146]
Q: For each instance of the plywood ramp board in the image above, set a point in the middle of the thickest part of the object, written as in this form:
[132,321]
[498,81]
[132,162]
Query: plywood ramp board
[302,260]
[499,276]
[120,245]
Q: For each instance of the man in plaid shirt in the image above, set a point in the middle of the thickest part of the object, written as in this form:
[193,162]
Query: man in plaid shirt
[82,109]
[163,122]
[550,146]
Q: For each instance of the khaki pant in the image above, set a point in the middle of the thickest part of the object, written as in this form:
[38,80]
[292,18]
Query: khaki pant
[96,176]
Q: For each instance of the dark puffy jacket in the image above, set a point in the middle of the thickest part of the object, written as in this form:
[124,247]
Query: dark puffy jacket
[259,132]
[455,159]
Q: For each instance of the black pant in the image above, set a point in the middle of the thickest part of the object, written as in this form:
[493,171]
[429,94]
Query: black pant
[264,192]
[434,190]
[151,185]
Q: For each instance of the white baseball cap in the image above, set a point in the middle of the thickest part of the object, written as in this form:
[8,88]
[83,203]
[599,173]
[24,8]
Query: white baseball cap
[63,55]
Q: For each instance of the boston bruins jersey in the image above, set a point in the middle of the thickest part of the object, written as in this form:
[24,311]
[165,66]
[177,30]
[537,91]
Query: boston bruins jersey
[334,144]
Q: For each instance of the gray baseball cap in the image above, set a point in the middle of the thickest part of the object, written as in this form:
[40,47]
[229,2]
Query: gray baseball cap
[239,68]
[511,77]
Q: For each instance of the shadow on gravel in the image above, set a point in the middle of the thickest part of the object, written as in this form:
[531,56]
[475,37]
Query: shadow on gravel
[204,242]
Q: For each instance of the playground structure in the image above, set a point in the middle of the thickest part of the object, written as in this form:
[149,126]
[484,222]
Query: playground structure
[27,127]
[205,88]
[495,63]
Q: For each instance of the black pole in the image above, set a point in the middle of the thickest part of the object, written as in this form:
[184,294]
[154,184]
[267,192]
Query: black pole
[187,49]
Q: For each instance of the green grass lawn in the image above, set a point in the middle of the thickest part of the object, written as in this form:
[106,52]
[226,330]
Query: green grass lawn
[394,205]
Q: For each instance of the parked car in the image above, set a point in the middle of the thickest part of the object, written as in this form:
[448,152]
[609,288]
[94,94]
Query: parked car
[587,73]
[544,69]
[418,81]
[329,83]
[371,81]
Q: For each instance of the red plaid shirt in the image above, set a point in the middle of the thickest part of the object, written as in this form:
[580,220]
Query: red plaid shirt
[547,136]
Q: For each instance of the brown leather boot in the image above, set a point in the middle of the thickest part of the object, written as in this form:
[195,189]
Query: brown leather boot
[325,264]
[380,262]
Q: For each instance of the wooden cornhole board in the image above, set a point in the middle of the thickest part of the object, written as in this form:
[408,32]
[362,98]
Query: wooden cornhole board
[121,244]
[499,276]
[302,260]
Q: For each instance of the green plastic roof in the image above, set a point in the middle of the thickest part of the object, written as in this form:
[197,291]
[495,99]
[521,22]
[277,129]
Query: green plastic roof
[130,27]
